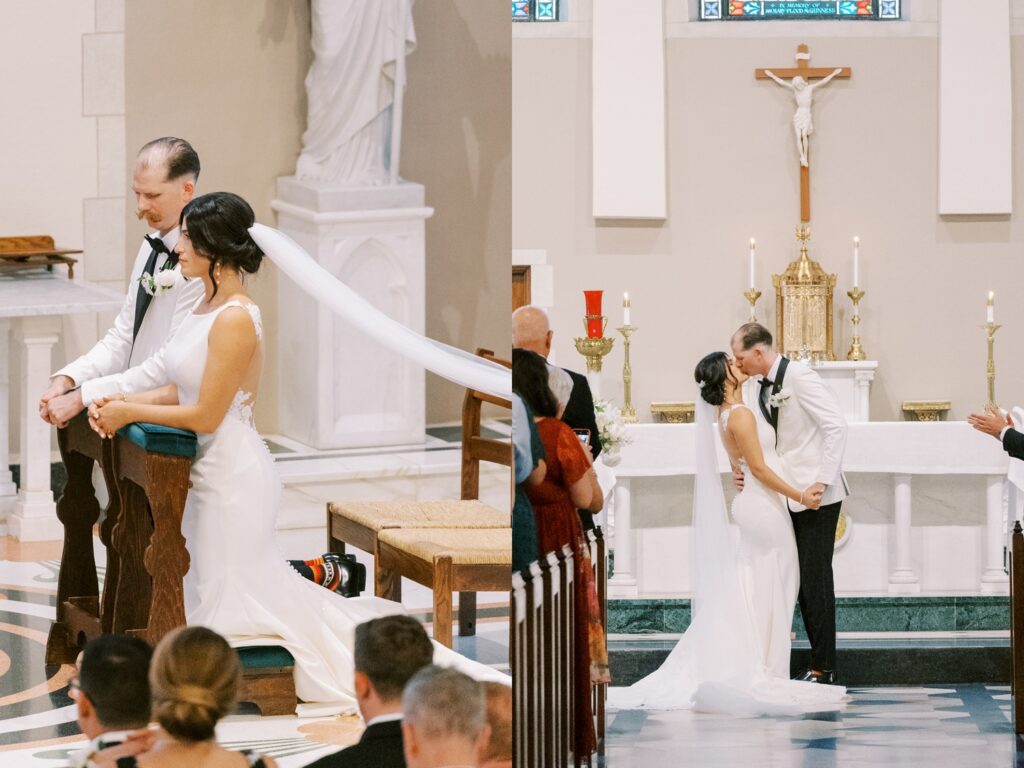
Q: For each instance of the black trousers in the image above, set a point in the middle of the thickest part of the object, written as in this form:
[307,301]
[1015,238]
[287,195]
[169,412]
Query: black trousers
[815,541]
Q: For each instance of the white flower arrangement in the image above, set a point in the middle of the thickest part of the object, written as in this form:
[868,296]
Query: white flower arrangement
[610,426]
[779,399]
[163,281]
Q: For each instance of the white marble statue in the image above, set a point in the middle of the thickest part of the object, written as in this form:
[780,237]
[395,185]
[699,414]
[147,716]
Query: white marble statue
[353,133]
[803,91]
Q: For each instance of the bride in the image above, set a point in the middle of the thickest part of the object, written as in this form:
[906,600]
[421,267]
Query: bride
[206,379]
[734,657]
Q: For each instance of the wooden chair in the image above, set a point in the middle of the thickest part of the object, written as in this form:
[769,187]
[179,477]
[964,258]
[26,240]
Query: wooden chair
[361,524]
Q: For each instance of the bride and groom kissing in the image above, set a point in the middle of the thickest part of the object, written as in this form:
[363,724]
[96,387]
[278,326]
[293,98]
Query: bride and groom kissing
[785,445]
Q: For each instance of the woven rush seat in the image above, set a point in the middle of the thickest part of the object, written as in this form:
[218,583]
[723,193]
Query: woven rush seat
[447,560]
[378,515]
[492,546]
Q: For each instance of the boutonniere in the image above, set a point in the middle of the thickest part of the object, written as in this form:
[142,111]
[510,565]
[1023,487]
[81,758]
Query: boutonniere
[779,399]
[163,281]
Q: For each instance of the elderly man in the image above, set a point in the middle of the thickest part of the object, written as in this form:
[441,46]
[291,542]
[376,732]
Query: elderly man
[445,719]
[388,652]
[531,330]
[164,180]
[111,693]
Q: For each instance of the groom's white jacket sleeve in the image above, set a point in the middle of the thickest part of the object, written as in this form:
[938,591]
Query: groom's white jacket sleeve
[819,402]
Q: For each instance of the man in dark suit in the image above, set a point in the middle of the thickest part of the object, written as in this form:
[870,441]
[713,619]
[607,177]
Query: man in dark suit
[531,330]
[388,652]
[1000,426]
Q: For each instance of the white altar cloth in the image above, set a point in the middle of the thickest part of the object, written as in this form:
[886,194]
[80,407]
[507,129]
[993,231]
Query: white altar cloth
[898,449]
[32,303]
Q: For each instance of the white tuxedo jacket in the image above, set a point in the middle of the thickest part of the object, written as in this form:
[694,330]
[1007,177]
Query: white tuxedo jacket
[97,370]
[810,433]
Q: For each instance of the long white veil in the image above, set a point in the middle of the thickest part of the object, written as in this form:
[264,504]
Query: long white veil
[452,363]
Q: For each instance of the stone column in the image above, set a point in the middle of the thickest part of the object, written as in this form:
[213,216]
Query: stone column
[902,579]
[8,491]
[994,580]
[863,381]
[623,583]
[35,514]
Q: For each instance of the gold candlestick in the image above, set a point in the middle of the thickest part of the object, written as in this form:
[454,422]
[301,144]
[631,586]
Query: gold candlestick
[628,411]
[990,369]
[856,351]
[752,295]
[594,349]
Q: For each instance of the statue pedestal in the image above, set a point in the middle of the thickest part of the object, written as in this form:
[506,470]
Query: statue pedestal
[337,388]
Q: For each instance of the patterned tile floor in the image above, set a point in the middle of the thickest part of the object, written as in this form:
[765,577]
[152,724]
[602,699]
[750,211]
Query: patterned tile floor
[37,719]
[962,726]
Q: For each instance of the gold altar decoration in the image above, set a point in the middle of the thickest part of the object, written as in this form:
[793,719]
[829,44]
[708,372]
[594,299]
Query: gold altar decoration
[628,411]
[673,413]
[594,349]
[990,329]
[925,410]
[856,351]
[803,307]
[843,526]
[752,295]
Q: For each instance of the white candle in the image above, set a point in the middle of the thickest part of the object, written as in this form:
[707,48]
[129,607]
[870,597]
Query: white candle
[753,245]
[625,308]
[856,262]
[990,309]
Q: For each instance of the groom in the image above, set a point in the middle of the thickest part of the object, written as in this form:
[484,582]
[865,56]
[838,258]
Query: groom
[810,435]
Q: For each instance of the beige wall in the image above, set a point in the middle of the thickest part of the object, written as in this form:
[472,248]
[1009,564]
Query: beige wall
[227,76]
[458,143]
[733,175]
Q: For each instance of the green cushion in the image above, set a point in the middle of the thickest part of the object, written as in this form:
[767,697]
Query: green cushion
[265,656]
[158,439]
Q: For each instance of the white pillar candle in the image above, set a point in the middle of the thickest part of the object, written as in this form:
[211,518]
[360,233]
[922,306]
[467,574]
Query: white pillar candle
[625,308]
[990,308]
[856,262]
[753,245]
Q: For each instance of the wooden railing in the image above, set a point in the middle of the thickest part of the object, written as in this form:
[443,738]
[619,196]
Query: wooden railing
[542,653]
[146,556]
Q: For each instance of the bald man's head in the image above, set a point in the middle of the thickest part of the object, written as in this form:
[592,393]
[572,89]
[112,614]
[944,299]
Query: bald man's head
[531,330]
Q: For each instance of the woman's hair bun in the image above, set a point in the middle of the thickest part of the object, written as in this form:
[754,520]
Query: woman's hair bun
[711,374]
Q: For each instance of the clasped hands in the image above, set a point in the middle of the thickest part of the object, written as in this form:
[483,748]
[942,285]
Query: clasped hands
[58,406]
[107,415]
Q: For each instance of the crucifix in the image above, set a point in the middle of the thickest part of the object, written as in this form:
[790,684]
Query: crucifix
[803,91]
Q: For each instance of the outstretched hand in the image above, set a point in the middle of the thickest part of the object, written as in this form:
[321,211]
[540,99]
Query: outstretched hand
[990,423]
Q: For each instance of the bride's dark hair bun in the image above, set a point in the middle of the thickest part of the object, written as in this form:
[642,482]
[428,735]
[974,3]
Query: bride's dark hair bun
[711,374]
[218,226]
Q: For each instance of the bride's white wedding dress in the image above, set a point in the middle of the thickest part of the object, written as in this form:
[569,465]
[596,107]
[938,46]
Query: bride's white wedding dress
[735,655]
[238,583]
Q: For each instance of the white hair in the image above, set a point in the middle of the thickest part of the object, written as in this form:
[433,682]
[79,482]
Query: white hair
[560,384]
[440,702]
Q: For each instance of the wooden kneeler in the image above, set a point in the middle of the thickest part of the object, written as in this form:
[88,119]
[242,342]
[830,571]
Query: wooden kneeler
[446,560]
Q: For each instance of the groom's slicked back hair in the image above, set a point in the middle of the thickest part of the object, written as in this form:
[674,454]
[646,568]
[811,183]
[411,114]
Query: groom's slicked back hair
[177,155]
[752,334]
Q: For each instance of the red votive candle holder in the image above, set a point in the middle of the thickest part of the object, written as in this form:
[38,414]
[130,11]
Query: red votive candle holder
[595,324]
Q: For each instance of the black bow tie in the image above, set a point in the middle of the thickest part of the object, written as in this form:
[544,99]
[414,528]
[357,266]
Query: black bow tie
[157,244]
[766,382]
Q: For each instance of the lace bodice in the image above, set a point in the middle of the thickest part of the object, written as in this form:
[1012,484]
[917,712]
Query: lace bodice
[186,353]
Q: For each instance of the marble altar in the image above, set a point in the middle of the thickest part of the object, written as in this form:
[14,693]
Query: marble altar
[30,308]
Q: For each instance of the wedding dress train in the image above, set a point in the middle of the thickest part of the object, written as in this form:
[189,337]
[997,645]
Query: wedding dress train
[734,657]
[238,583]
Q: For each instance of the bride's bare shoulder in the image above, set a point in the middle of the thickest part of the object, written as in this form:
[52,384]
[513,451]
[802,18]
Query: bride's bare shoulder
[741,419]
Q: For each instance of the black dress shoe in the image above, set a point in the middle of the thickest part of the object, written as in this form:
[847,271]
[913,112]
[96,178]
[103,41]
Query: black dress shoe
[825,677]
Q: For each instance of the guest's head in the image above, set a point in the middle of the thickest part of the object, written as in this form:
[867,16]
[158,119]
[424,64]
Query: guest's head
[752,349]
[499,718]
[112,689]
[388,652]
[444,719]
[195,677]
[718,377]
[560,384]
[530,379]
[531,330]
[215,238]
[164,180]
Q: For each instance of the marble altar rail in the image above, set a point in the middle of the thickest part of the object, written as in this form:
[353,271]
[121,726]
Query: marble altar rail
[905,454]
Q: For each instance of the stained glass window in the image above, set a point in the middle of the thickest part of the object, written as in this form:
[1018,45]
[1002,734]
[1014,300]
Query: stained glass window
[759,10]
[535,10]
